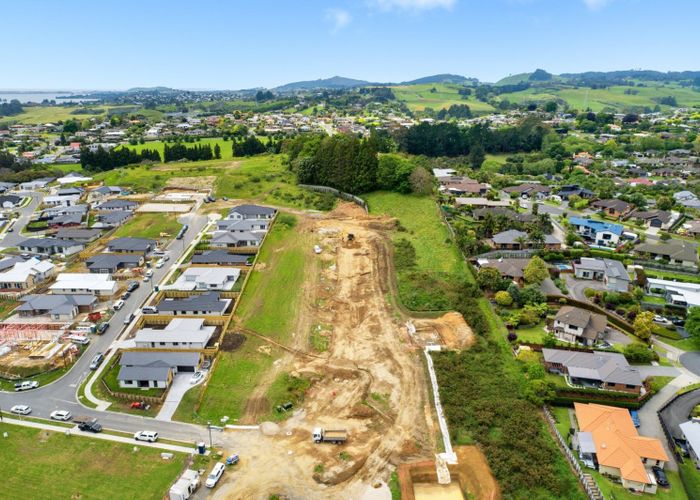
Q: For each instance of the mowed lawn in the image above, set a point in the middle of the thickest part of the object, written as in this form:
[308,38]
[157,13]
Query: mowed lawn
[269,302]
[429,235]
[41,464]
[149,225]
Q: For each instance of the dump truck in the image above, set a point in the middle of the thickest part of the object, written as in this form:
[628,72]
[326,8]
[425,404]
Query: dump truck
[337,436]
[185,486]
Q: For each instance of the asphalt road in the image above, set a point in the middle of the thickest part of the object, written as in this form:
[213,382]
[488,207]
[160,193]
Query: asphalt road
[691,360]
[14,238]
[677,412]
[62,394]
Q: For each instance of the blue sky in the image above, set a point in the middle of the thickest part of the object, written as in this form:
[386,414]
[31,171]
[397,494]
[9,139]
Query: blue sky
[109,44]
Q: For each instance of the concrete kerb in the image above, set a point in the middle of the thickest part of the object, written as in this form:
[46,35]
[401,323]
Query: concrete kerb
[104,437]
[103,405]
[449,455]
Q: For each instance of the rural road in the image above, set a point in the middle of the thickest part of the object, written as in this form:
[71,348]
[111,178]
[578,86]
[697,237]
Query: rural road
[62,394]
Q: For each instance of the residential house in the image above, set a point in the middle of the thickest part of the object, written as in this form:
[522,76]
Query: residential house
[100,285]
[458,185]
[10,201]
[524,217]
[677,293]
[131,245]
[574,189]
[611,272]
[6,186]
[180,333]
[205,304]
[220,258]
[61,201]
[598,232]
[110,263]
[613,208]
[608,438]
[512,269]
[691,228]
[206,278]
[114,205]
[690,431]
[572,324]
[112,219]
[608,371]
[242,225]
[58,211]
[687,199]
[155,369]
[69,192]
[519,240]
[529,190]
[480,202]
[677,252]
[50,246]
[36,184]
[251,212]
[79,235]
[225,239]
[660,219]
[25,274]
[57,307]
[103,192]
[73,177]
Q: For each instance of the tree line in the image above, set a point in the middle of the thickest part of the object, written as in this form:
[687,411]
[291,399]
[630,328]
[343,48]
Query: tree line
[198,152]
[14,107]
[101,160]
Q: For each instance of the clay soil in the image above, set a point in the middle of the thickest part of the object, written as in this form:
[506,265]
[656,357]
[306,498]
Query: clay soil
[371,380]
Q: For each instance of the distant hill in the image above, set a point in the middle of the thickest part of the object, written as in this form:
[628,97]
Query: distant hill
[151,89]
[335,82]
[514,79]
[442,78]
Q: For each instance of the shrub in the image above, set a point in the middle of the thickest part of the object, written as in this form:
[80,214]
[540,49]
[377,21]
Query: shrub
[503,298]
[638,353]
[404,254]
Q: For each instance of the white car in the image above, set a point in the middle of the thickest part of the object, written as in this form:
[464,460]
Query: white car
[215,475]
[160,263]
[118,304]
[63,415]
[660,320]
[317,249]
[21,409]
[149,273]
[149,436]
[196,377]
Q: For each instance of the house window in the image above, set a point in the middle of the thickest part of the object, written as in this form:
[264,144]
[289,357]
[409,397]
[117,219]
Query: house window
[630,386]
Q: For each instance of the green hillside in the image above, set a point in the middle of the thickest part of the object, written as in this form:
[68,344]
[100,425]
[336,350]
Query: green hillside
[513,79]
[418,97]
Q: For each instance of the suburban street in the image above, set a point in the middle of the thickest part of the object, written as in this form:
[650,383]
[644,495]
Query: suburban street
[62,394]
[13,238]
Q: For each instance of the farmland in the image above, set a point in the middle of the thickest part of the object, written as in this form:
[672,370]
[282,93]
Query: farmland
[34,462]
[149,225]
[418,97]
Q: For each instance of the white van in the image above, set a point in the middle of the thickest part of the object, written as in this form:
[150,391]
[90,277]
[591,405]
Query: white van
[118,305]
[79,339]
[215,475]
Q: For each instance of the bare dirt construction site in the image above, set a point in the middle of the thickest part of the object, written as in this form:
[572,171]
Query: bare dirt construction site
[371,380]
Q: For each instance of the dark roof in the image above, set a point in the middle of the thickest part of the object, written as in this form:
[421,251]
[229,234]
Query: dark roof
[78,233]
[113,217]
[252,210]
[158,373]
[159,358]
[131,244]
[11,198]
[55,302]
[219,256]
[209,301]
[117,204]
[111,260]
[605,366]
[617,205]
[592,324]
[48,243]
[679,250]
[661,215]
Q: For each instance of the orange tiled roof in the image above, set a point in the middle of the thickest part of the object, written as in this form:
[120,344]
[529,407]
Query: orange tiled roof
[616,440]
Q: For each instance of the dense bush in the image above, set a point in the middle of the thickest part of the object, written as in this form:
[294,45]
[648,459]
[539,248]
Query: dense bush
[520,452]
[638,353]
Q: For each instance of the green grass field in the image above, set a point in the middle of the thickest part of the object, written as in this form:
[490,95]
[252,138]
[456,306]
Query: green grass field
[53,114]
[418,97]
[42,464]
[616,491]
[226,146]
[149,225]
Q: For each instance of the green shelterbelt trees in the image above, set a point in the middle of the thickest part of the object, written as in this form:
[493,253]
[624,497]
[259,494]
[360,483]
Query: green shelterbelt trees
[101,160]
[179,151]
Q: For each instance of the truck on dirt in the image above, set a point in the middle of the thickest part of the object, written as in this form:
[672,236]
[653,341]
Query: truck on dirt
[336,436]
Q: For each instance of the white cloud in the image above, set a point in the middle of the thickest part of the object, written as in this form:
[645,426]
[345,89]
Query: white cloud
[338,18]
[415,5]
[596,4]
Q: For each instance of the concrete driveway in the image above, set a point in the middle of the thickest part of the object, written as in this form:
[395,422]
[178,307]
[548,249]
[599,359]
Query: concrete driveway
[576,286]
[181,384]
[549,288]
[657,371]
[691,360]
[616,337]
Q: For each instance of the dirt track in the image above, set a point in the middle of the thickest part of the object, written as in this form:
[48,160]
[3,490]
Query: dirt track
[370,381]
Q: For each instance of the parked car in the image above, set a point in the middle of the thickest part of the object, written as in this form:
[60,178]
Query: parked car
[166,257]
[634,415]
[26,385]
[102,327]
[129,319]
[660,320]
[160,263]
[96,361]
[215,475]
[90,426]
[660,476]
[133,285]
[21,409]
[149,436]
[678,321]
[149,273]
[63,415]
[146,279]
[149,310]
[126,295]
[196,377]
[118,304]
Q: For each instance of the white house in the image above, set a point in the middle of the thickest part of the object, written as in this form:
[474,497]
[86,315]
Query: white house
[691,433]
[597,232]
[677,293]
[572,324]
[25,274]
[73,177]
[101,285]
[181,333]
[611,272]
[206,278]
[65,201]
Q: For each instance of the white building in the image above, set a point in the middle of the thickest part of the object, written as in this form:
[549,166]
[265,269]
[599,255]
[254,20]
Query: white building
[181,333]
[206,278]
[101,285]
[26,273]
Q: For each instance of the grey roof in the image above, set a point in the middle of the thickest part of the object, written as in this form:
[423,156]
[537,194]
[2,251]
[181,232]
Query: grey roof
[617,205]
[125,204]
[111,260]
[209,301]
[159,358]
[114,217]
[662,215]
[610,367]
[131,244]
[86,234]
[9,262]
[509,237]
[527,188]
[219,257]
[226,237]
[508,267]
[691,431]
[612,268]
[592,324]
[11,198]
[55,302]
[69,191]
[48,243]
[241,225]
[586,443]
[66,219]
[158,373]
[680,250]
[252,210]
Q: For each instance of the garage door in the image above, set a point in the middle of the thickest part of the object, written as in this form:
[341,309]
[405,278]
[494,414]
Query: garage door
[188,369]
